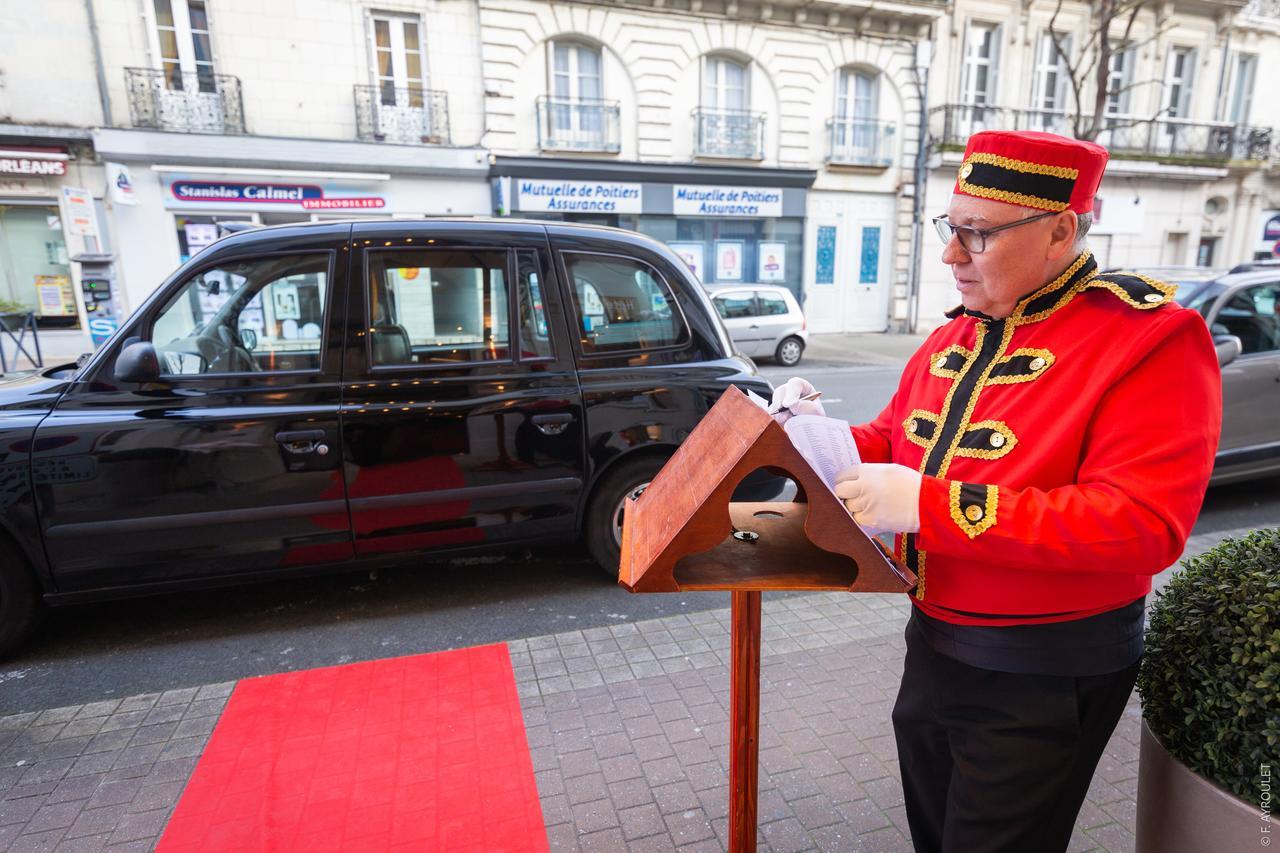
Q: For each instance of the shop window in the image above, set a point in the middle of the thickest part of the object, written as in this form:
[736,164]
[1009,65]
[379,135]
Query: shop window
[261,314]
[622,305]
[438,307]
[197,232]
[34,272]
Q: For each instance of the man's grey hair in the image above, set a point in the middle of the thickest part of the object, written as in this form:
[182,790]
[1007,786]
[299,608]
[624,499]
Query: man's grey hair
[1084,221]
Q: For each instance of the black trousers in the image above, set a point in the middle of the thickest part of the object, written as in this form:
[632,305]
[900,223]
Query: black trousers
[997,761]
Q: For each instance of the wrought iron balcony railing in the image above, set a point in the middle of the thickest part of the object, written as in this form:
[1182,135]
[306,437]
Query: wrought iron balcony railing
[579,124]
[404,115]
[728,133]
[186,102]
[854,142]
[1124,136]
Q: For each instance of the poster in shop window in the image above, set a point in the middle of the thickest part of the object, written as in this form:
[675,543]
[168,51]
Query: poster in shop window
[729,260]
[692,255]
[55,296]
[285,297]
[773,262]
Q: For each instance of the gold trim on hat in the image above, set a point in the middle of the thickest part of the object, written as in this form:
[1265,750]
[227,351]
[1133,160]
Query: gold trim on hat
[1023,166]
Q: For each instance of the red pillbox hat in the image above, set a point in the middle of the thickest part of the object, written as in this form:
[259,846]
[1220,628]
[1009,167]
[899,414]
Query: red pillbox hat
[1032,169]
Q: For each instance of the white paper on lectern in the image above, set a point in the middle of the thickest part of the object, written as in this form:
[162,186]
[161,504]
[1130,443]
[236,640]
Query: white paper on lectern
[825,443]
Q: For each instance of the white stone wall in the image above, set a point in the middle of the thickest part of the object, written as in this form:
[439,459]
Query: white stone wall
[297,61]
[46,64]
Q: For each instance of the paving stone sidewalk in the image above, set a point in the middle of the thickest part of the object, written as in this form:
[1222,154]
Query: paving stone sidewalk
[628,729]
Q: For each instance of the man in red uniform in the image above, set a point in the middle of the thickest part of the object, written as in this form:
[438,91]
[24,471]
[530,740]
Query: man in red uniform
[1047,452]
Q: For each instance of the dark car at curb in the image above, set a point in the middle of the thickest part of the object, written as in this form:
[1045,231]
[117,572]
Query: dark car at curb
[336,396]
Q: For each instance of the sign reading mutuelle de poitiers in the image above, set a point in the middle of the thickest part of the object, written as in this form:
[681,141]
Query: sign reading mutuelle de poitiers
[689,200]
[578,196]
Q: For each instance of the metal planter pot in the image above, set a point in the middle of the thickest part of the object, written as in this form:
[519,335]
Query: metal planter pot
[1182,812]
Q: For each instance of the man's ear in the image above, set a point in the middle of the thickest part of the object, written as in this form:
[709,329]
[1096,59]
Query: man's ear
[1063,236]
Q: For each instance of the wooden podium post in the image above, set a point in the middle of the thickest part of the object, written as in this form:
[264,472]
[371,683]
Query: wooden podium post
[683,533]
[744,720]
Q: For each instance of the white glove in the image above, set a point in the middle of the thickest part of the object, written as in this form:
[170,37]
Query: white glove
[882,498]
[787,400]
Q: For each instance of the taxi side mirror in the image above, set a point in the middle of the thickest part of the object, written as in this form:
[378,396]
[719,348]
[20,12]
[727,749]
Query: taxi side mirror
[138,362]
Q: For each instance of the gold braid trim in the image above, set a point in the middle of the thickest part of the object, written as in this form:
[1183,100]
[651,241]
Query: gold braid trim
[1010,441]
[1019,319]
[1020,199]
[938,359]
[989,509]
[1025,166]
[908,425]
[1024,352]
[1166,291]
[1009,328]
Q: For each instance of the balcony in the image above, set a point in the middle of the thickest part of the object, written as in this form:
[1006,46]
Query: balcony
[728,133]
[579,124]
[184,102]
[1125,137]
[853,142]
[402,115]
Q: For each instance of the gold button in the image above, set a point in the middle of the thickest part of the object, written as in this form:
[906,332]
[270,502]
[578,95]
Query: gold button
[1038,363]
[997,439]
[965,171]
[1153,297]
[973,512]
[911,427]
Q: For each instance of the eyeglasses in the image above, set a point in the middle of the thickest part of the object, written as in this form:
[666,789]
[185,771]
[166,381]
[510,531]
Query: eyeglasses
[974,240]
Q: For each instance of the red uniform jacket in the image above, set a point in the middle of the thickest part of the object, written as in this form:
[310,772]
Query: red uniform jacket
[1066,449]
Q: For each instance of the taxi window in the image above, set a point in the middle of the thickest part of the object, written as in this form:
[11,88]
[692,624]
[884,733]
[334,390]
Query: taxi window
[622,305]
[438,307]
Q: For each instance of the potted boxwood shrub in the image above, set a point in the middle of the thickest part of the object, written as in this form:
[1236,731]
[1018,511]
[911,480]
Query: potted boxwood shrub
[13,314]
[1210,688]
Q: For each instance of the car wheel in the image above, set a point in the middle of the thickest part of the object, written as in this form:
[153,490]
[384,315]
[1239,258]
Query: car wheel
[789,352]
[603,524]
[20,605]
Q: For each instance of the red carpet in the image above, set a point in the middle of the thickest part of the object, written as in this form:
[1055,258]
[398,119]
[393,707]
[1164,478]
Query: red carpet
[416,753]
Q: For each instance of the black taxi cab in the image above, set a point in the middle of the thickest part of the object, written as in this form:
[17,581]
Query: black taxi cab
[336,395]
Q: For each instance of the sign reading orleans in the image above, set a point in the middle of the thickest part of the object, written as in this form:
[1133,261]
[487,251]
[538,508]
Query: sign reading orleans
[578,197]
[726,201]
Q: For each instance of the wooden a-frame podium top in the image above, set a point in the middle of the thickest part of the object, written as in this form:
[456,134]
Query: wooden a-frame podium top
[682,532]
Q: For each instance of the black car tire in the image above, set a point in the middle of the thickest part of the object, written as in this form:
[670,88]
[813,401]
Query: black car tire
[604,513]
[20,606]
[789,352]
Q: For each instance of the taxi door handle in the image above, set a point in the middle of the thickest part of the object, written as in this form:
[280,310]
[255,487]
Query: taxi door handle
[301,441]
[552,424]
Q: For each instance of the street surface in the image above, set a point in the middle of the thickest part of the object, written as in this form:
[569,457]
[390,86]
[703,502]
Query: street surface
[92,652]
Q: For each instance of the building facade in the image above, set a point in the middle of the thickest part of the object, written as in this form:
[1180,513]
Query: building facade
[1192,177]
[766,143]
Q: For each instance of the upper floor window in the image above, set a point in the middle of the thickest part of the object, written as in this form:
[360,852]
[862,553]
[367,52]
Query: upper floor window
[575,72]
[858,96]
[1179,78]
[981,64]
[182,39]
[1050,87]
[576,115]
[1120,79]
[725,85]
[1246,72]
[398,69]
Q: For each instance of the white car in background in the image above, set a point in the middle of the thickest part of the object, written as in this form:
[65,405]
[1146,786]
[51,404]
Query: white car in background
[763,320]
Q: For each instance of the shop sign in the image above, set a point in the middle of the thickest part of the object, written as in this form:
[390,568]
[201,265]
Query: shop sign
[577,197]
[78,212]
[55,296]
[1271,231]
[690,200]
[33,161]
[120,184]
[186,193]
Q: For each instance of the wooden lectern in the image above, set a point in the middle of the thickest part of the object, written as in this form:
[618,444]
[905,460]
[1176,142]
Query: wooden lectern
[682,533]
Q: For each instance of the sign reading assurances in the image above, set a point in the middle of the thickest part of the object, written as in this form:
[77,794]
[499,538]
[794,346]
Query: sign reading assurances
[577,196]
[691,200]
